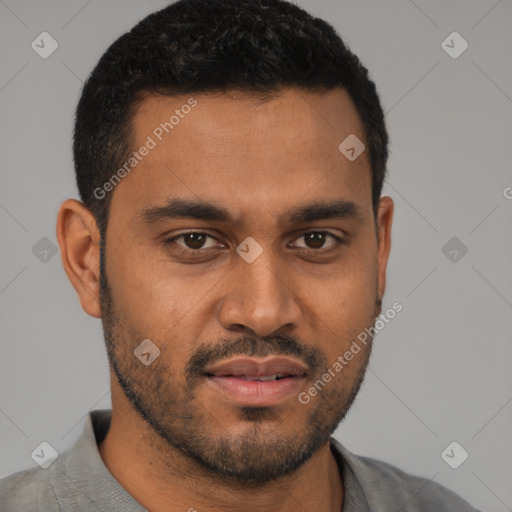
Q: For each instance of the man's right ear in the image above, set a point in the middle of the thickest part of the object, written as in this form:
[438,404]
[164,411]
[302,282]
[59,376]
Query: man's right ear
[79,240]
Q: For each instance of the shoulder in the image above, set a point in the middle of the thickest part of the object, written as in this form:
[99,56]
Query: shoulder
[28,490]
[387,487]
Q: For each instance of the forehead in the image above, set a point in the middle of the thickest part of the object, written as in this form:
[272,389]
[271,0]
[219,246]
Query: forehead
[246,154]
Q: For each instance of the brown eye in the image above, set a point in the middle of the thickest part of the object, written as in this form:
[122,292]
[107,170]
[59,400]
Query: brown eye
[193,241]
[315,240]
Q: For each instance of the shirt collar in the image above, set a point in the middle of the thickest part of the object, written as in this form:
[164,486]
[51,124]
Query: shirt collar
[81,477]
[83,470]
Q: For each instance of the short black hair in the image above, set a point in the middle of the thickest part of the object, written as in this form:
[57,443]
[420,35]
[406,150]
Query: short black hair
[202,46]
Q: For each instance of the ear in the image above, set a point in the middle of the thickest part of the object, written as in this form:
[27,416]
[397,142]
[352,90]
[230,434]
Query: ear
[384,222]
[79,241]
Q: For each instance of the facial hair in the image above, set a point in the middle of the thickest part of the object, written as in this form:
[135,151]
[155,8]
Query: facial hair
[252,458]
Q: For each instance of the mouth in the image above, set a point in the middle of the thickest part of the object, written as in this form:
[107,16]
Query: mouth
[247,381]
[259,378]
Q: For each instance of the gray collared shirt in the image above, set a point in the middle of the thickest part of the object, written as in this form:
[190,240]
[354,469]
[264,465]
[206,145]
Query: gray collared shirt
[78,480]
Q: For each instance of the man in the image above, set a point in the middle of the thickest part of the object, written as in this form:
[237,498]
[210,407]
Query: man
[230,156]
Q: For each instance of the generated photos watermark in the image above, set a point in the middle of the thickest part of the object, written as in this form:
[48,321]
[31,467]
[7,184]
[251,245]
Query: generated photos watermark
[157,135]
[343,360]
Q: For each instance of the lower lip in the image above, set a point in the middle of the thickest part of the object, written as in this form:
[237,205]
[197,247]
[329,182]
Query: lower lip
[257,393]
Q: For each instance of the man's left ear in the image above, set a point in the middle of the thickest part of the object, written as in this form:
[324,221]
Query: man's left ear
[79,240]
[384,222]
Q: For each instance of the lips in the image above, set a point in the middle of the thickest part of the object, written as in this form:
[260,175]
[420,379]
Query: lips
[246,381]
[252,369]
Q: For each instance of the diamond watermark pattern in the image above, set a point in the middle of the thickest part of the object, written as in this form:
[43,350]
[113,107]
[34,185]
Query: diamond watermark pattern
[44,45]
[454,249]
[454,455]
[454,45]
[147,352]
[249,249]
[44,250]
[44,455]
[351,147]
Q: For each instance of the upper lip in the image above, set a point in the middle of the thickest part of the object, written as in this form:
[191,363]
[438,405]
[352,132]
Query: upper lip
[251,367]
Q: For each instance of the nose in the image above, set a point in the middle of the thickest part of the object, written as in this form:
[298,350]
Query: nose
[259,297]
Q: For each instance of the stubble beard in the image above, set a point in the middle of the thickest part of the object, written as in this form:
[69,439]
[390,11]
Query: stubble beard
[259,453]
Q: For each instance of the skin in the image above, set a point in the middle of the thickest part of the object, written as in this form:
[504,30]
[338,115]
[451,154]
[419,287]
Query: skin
[258,160]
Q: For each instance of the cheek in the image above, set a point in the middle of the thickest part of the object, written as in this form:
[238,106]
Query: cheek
[140,293]
[343,309]
[158,301]
[349,292]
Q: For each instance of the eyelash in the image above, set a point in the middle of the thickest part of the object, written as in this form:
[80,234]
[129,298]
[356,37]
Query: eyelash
[339,241]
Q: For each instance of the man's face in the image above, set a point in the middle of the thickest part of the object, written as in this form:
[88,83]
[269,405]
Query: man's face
[203,303]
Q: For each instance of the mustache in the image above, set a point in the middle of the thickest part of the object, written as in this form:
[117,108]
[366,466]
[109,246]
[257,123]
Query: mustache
[250,346]
[313,357]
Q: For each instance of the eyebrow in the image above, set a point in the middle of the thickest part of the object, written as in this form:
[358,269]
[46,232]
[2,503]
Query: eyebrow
[179,208]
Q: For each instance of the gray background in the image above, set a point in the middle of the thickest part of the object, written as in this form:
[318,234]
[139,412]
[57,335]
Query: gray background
[440,371]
